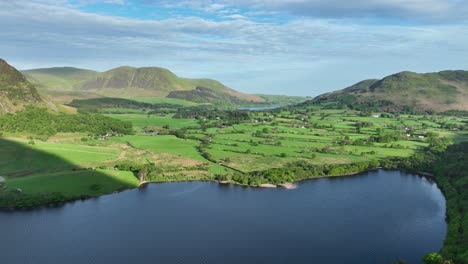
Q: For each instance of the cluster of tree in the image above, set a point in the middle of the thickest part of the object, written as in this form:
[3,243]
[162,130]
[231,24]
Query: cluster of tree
[297,171]
[455,113]
[13,198]
[41,122]
[202,150]
[452,126]
[142,171]
[385,137]
[363,124]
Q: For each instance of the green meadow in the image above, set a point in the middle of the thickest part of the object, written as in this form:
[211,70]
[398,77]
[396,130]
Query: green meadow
[202,145]
[140,121]
[164,144]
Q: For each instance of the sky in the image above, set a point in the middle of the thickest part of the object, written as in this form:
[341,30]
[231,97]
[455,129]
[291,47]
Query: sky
[293,47]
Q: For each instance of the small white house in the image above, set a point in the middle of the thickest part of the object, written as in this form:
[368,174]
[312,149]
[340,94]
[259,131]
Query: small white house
[420,137]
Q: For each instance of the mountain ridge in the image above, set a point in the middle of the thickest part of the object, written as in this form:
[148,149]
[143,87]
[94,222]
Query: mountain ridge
[437,92]
[128,81]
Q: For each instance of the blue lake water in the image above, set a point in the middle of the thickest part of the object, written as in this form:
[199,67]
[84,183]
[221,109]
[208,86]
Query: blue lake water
[258,108]
[375,217]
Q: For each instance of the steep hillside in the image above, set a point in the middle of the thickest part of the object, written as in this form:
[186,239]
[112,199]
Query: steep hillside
[129,81]
[404,91]
[64,83]
[15,90]
[58,78]
[221,90]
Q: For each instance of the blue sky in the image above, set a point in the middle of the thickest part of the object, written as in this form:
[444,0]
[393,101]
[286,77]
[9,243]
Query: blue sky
[296,47]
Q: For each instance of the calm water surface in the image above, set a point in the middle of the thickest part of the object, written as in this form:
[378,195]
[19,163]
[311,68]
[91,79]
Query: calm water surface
[375,217]
[259,108]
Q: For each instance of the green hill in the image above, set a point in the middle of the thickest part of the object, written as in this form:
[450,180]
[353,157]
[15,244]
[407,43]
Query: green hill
[16,91]
[128,82]
[58,78]
[404,91]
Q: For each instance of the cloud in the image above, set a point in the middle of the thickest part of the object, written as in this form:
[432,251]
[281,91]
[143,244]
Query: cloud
[419,10]
[303,55]
[236,16]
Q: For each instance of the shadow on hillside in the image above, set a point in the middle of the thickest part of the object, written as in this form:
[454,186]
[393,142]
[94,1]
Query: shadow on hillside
[58,179]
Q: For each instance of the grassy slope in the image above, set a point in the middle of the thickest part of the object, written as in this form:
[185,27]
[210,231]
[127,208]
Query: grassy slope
[16,90]
[223,91]
[75,183]
[165,144]
[49,171]
[19,158]
[59,78]
[127,82]
[431,91]
[150,81]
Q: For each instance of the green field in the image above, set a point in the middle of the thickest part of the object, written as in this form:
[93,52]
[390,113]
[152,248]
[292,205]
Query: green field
[164,144]
[17,157]
[75,183]
[209,144]
[140,121]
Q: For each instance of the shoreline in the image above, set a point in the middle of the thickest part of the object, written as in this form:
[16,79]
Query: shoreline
[287,186]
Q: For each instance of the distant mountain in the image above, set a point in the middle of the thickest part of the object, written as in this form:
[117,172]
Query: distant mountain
[16,91]
[404,91]
[58,78]
[135,82]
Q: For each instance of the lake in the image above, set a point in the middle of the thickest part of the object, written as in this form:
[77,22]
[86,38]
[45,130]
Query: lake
[376,217]
[259,108]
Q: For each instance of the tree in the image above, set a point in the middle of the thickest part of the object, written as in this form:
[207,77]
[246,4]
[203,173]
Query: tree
[435,258]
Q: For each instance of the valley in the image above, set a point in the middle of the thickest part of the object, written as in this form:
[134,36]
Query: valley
[92,145]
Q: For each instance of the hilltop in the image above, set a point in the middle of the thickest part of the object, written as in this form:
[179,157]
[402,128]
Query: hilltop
[404,91]
[129,82]
[58,78]
[16,91]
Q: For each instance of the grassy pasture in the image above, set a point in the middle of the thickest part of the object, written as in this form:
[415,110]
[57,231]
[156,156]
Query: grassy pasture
[164,144]
[75,183]
[18,157]
[140,121]
[266,140]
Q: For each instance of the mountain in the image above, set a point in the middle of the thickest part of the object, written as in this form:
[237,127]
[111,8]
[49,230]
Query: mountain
[16,91]
[58,78]
[207,90]
[128,81]
[404,91]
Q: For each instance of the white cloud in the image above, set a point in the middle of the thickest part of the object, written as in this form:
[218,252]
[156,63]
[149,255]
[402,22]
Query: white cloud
[236,16]
[419,10]
[304,55]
